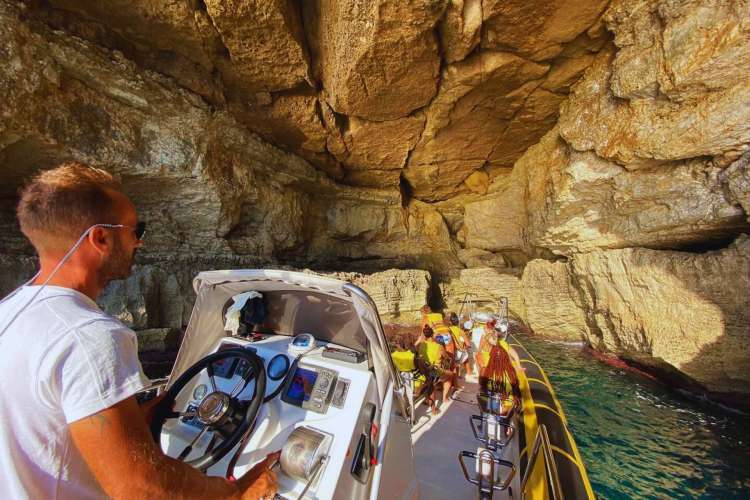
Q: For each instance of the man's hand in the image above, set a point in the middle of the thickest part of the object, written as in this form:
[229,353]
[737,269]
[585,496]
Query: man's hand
[260,481]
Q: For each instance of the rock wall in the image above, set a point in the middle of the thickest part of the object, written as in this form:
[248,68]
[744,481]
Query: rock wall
[641,193]
[205,183]
[672,310]
[558,153]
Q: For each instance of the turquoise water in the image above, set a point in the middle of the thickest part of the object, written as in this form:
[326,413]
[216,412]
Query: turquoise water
[640,440]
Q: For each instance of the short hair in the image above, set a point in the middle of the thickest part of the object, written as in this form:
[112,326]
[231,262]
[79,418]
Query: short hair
[427,331]
[59,204]
[399,343]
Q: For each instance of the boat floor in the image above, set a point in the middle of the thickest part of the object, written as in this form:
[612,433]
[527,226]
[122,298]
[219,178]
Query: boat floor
[439,439]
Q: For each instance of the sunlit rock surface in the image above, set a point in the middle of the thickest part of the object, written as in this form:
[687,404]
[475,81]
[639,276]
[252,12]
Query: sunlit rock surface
[672,310]
[551,300]
[505,148]
[481,289]
[205,183]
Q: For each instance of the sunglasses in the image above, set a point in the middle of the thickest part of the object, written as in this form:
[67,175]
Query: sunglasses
[139,230]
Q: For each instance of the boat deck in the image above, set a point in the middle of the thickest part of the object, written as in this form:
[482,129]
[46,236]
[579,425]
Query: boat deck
[439,439]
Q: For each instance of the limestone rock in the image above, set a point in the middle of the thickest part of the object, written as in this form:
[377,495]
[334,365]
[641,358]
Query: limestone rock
[536,29]
[452,211]
[149,298]
[262,36]
[460,29]
[111,114]
[176,38]
[295,122]
[15,270]
[578,202]
[477,99]
[566,71]
[158,339]
[291,120]
[205,184]
[398,294]
[372,178]
[671,309]
[530,123]
[371,65]
[161,26]
[474,257]
[496,223]
[683,50]
[737,180]
[263,41]
[478,181]
[380,146]
[638,131]
[483,288]
[550,299]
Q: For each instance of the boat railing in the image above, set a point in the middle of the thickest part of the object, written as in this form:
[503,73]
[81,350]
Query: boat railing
[542,446]
[485,480]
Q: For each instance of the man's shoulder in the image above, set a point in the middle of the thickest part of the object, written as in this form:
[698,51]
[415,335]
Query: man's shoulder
[77,311]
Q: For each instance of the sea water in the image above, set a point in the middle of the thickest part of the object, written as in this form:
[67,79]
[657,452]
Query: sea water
[639,439]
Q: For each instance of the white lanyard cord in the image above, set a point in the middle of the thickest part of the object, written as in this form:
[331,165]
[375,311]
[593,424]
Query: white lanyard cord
[57,268]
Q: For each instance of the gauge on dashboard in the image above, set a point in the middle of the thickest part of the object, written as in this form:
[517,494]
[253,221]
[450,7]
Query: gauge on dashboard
[199,392]
[277,367]
[302,343]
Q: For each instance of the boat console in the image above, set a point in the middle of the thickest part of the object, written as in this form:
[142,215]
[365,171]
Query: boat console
[303,394]
[276,360]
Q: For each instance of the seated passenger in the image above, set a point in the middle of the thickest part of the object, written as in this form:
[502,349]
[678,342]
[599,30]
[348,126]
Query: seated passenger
[498,379]
[462,343]
[432,319]
[405,361]
[432,357]
[402,357]
[445,336]
[487,340]
[426,312]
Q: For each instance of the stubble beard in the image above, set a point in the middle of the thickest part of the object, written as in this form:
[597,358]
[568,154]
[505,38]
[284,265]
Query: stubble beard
[119,264]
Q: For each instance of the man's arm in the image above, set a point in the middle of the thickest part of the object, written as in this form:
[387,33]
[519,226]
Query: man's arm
[118,448]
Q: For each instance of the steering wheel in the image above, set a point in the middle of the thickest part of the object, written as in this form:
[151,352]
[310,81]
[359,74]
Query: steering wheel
[223,413]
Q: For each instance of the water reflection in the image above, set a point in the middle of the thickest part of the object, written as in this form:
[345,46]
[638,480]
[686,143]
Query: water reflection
[638,439]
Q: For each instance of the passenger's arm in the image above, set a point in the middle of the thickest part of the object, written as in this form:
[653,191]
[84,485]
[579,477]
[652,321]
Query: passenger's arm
[118,448]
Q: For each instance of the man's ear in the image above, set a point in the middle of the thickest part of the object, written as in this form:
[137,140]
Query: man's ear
[100,240]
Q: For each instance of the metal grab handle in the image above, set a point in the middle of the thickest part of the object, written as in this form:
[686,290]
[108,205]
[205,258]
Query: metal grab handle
[491,442]
[542,444]
[486,456]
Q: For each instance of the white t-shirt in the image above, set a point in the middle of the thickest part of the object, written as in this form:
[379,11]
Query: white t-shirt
[61,360]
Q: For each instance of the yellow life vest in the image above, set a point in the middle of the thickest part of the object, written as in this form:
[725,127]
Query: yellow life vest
[404,360]
[430,352]
[441,330]
[434,319]
[458,338]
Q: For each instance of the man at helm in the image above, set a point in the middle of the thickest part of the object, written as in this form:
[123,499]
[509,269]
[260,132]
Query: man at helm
[70,426]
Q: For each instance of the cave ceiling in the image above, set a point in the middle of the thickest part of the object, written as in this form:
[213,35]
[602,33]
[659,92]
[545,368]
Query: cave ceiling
[443,96]
[439,134]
